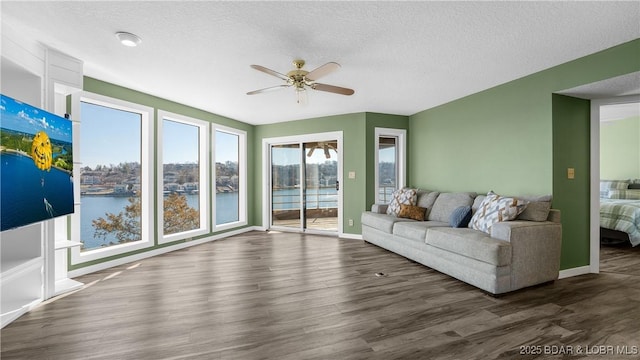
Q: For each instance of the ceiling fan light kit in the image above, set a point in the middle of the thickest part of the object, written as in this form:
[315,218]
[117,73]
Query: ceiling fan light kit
[301,80]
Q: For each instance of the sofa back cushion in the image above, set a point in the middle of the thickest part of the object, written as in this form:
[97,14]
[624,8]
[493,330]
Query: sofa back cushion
[446,203]
[537,209]
[426,199]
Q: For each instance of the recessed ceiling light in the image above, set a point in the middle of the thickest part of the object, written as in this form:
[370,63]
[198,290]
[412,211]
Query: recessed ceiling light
[128,39]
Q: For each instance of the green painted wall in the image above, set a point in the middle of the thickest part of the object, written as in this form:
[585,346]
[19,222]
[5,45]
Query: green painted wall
[118,92]
[572,120]
[502,139]
[353,128]
[375,120]
[620,149]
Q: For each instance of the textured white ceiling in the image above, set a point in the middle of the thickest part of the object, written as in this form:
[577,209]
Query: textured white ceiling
[400,57]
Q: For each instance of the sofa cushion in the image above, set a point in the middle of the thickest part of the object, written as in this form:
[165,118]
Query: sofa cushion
[426,198]
[470,243]
[447,202]
[496,208]
[412,212]
[382,222]
[405,196]
[460,217]
[537,209]
[416,231]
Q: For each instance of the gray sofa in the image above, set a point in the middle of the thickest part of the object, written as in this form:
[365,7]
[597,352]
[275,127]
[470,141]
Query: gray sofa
[515,255]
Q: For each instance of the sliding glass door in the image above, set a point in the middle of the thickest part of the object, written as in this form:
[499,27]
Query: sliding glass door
[286,198]
[320,193]
[305,186]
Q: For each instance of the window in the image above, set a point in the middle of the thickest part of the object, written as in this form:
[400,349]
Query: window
[230,177]
[390,162]
[182,177]
[116,206]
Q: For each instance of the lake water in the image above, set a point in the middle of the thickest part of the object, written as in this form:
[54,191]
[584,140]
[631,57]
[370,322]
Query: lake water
[30,195]
[94,207]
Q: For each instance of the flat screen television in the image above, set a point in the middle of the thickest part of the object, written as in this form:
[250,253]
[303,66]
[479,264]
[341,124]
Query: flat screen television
[36,170]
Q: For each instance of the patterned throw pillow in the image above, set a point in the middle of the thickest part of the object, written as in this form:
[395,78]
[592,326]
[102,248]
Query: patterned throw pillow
[412,212]
[405,196]
[496,208]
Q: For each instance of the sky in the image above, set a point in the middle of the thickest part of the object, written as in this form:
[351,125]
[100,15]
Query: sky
[110,136]
[19,116]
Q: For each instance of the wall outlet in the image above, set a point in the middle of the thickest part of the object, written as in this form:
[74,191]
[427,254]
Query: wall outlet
[350,222]
[571,173]
[352,174]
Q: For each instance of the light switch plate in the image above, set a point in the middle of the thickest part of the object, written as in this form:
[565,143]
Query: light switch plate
[352,174]
[571,173]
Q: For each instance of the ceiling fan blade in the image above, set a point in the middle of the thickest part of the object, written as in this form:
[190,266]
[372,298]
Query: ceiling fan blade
[332,89]
[271,72]
[322,71]
[272,88]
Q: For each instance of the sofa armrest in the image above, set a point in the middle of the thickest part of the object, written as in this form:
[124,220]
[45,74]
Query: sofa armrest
[535,250]
[379,208]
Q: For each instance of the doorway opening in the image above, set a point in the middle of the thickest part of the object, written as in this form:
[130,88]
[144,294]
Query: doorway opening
[615,156]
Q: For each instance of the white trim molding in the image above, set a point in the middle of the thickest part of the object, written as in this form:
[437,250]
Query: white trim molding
[577,271]
[594,214]
[401,158]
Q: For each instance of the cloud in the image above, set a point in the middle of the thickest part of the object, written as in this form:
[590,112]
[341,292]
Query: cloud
[43,122]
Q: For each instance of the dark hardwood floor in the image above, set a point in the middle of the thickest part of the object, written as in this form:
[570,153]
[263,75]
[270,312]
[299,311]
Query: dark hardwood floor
[289,296]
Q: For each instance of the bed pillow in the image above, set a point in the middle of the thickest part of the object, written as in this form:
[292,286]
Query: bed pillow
[405,196]
[496,208]
[412,212]
[629,194]
[606,185]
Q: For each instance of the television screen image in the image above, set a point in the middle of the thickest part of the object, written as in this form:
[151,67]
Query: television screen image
[36,170]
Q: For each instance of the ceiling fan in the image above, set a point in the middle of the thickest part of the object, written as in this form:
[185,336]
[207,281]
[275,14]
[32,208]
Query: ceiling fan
[324,146]
[302,79]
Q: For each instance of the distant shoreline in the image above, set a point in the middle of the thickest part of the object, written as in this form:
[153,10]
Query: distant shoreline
[22,153]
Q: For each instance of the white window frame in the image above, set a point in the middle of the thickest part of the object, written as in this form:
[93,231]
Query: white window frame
[147,182]
[203,153]
[401,157]
[242,178]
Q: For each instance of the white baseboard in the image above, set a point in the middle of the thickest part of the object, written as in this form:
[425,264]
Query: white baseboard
[582,270]
[155,252]
[351,236]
